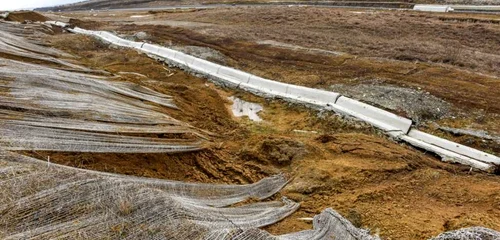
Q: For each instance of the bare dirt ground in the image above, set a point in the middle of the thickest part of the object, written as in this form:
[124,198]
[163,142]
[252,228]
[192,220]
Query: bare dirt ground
[123,4]
[420,54]
[131,4]
[392,189]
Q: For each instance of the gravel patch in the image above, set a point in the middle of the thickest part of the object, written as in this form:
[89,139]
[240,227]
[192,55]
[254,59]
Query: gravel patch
[415,104]
[202,52]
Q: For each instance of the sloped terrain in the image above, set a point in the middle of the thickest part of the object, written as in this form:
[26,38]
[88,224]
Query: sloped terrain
[392,189]
[117,4]
[350,51]
[45,108]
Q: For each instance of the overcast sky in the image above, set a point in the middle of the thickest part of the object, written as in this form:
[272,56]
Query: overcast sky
[30,4]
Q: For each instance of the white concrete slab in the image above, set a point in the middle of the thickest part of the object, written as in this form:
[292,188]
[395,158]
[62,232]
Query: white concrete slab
[386,120]
[454,147]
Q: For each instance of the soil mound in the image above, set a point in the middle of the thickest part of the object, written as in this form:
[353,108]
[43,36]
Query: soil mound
[90,25]
[279,151]
[25,16]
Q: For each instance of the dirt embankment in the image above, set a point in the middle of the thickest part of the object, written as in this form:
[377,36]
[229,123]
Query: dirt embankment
[392,189]
[24,16]
[322,71]
[348,51]
[371,181]
[427,55]
[470,91]
[89,25]
[468,104]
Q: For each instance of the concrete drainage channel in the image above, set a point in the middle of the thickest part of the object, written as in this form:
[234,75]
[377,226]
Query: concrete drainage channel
[395,126]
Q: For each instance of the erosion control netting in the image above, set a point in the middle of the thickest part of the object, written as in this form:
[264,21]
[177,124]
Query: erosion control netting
[44,201]
[43,108]
[31,32]
[15,42]
[473,233]
[48,109]
[40,200]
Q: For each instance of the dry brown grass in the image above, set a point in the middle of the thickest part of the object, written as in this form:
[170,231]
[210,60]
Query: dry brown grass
[405,36]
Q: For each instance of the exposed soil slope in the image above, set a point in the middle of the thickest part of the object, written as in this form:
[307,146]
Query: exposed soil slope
[342,50]
[392,189]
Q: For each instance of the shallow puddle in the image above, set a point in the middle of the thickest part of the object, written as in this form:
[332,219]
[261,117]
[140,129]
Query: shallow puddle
[242,108]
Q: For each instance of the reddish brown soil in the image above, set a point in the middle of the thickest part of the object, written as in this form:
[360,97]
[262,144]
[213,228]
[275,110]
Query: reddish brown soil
[389,189]
[395,190]
[209,165]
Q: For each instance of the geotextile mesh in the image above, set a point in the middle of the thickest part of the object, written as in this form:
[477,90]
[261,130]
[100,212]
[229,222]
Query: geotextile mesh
[472,233]
[48,109]
[44,108]
[47,201]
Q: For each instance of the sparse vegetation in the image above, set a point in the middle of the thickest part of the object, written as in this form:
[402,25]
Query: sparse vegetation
[393,189]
